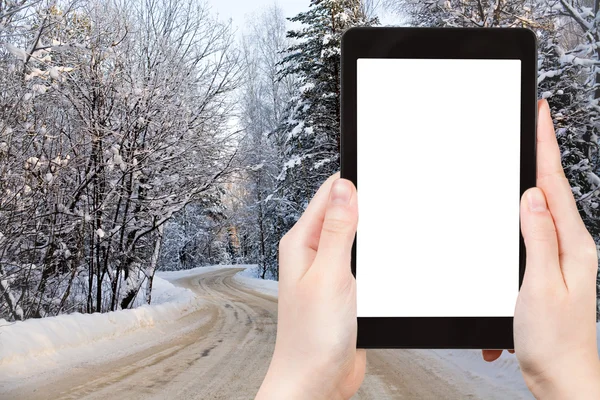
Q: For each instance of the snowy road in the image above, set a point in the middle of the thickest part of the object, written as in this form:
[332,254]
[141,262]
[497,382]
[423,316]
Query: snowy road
[222,351]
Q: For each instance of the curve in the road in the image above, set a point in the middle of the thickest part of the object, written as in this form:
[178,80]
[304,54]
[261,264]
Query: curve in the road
[225,356]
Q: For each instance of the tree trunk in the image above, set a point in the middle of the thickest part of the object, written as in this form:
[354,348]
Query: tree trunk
[153,265]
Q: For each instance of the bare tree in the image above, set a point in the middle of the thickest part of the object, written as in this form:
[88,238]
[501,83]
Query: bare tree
[116,114]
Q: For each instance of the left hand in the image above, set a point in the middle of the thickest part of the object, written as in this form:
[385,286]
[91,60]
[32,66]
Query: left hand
[315,353]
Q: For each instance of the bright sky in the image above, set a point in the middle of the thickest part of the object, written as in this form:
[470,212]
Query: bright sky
[238,9]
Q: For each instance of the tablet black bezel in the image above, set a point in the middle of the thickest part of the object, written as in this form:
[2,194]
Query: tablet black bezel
[440,43]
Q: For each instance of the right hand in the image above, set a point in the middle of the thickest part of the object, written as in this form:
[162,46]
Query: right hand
[555,316]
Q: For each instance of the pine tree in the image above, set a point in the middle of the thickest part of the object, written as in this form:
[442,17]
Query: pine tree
[576,124]
[312,128]
[570,80]
[467,13]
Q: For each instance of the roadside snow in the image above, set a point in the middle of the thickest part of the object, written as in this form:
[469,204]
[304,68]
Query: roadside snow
[249,278]
[24,343]
[175,275]
[61,342]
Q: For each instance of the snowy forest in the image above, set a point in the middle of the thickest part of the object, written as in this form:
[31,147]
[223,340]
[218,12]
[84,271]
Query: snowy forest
[138,135]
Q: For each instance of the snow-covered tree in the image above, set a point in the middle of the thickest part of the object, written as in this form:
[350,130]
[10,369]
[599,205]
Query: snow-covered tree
[32,160]
[312,126]
[193,237]
[467,13]
[264,97]
[113,119]
[570,79]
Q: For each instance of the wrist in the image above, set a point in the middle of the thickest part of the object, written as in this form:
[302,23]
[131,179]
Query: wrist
[580,381]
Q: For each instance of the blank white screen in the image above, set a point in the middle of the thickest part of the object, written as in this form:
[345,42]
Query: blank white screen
[438,171]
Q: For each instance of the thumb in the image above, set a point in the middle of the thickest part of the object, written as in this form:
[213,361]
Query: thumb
[339,226]
[539,234]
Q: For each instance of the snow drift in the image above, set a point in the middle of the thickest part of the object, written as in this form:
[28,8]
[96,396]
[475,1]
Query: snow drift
[249,279]
[20,341]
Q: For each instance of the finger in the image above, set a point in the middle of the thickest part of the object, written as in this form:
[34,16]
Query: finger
[310,223]
[491,355]
[298,247]
[339,228]
[571,231]
[541,242]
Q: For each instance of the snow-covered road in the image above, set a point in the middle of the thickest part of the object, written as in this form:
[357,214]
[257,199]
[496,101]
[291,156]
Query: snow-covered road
[222,351]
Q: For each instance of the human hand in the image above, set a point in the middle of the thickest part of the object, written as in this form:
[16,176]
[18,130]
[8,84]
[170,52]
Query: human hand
[315,353]
[555,316]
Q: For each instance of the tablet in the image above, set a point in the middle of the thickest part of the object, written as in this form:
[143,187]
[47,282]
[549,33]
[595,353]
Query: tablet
[438,134]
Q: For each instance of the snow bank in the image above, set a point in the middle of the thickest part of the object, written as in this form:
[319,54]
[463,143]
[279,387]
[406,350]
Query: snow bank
[24,342]
[21,341]
[23,345]
[185,273]
[249,278]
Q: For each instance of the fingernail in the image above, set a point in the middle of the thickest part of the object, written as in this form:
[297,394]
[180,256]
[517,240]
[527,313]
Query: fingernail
[536,200]
[341,191]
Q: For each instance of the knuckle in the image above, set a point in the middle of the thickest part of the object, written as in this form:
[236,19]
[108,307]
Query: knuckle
[337,225]
[542,233]
[556,175]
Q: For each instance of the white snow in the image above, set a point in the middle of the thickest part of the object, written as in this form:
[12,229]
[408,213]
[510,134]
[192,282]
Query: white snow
[27,344]
[175,275]
[36,346]
[320,163]
[297,129]
[503,374]
[594,179]
[249,278]
[296,160]
[15,51]
[54,74]
[547,74]
[41,89]
[570,58]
